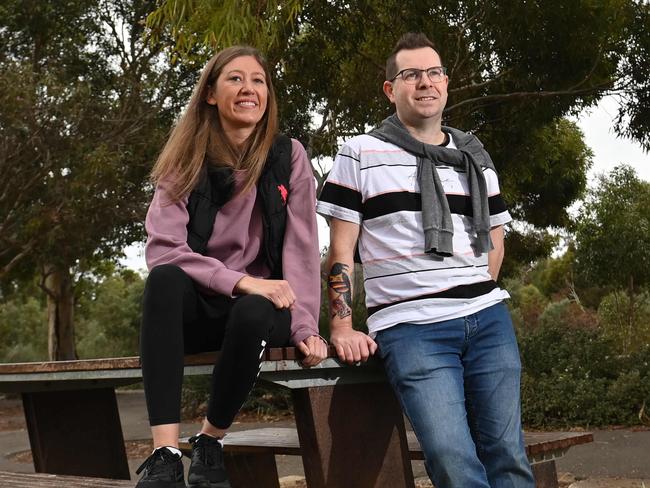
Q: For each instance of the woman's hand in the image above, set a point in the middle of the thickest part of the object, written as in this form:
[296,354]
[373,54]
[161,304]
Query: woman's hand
[314,349]
[279,292]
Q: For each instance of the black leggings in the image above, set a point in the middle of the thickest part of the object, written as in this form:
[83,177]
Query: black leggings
[177,319]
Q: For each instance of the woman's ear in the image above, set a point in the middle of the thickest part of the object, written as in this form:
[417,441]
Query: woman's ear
[210,98]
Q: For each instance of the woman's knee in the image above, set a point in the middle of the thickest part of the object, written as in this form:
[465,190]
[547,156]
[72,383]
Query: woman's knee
[252,315]
[165,291]
[165,275]
[166,280]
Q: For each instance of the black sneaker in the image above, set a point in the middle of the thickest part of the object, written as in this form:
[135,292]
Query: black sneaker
[163,469]
[207,469]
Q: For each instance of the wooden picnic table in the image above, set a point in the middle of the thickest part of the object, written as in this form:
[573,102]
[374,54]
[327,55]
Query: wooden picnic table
[74,425]
[349,424]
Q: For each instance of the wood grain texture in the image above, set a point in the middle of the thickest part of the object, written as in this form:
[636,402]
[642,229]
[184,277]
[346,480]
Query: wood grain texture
[35,480]
[271,354]
[285,441]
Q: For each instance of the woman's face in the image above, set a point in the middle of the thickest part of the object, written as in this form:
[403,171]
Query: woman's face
[240,94]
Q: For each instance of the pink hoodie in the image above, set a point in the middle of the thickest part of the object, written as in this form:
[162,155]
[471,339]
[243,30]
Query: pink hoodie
[235,247]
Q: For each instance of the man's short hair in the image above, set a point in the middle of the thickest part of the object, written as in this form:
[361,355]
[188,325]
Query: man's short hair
[410,40]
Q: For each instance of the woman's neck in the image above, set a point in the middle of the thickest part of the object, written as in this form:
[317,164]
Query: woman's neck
[238,137]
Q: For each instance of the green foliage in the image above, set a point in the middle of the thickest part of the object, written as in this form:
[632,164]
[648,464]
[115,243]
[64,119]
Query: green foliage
[612,231]
[625,321]
[515,72]
[85,104]
[108,317]
[23,334]
[557,175]
[527,304]
[523,248]
[554,275]
[224,23]
[574,377]
[86,101]
[568,313]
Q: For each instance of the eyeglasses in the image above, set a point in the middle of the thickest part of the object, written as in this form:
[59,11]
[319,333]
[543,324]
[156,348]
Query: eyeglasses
[412,76]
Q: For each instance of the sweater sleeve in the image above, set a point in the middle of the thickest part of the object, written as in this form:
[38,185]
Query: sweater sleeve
[300,256]
[166,226]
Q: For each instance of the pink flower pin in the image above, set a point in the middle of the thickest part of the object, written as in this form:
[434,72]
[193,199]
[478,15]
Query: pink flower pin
[284,193]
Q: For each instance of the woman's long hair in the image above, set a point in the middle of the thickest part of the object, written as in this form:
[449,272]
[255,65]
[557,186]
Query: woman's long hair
[198,135]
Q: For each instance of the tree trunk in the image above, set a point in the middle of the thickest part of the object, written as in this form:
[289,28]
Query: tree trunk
[60,308]
[631,316]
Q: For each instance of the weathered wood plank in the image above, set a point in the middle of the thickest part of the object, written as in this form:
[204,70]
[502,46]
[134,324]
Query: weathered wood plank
[34,480]
[204,359]
[285,441]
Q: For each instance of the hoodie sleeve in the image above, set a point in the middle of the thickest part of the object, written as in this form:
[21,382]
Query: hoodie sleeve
[300,256]
[166,226]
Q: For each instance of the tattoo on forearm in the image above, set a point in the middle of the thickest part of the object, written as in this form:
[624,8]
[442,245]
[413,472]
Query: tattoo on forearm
[339,282]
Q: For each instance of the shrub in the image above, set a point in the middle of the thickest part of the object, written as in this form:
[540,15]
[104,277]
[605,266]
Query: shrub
[528,302]
[108,321]
[574,376]
[23,330]
[625,321]
[569,313]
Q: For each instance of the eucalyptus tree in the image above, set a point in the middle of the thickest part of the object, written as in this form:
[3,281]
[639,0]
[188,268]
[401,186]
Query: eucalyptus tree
[517,70]
[85,102]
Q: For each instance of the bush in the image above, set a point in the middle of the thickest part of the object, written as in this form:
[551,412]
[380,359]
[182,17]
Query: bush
[573,376]
[527,303]
[569,313]
[23,330]
[625,321]
[108,320]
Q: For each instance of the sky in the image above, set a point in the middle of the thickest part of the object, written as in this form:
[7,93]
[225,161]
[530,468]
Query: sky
[596,124]
[609,150]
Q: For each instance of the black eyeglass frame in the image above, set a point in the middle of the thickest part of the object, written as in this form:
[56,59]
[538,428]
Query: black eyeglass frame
[401,74]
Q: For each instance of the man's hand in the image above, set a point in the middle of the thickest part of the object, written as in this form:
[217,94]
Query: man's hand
[352,346]
[314,349]
[279,292]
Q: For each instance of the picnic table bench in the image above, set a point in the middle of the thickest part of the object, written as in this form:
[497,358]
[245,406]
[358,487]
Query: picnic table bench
[349,425]
[250,454]
[31,480]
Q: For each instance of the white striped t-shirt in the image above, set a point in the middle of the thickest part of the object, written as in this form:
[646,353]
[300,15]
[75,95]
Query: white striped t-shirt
[374,184]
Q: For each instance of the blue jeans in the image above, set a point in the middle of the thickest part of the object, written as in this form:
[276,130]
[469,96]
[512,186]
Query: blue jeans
[458,383]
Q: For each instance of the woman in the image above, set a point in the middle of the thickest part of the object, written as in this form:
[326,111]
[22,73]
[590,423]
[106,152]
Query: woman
[233,256]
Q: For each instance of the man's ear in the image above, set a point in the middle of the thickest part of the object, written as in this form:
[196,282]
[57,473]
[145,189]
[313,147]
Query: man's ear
[388,91]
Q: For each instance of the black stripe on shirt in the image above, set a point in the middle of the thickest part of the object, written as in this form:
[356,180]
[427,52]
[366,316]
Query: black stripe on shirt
[343,155]
[424,271]
[474,290]
[497,204]
[341,196]
[405,201]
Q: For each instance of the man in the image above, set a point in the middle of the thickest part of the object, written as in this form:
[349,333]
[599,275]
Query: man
[422,203]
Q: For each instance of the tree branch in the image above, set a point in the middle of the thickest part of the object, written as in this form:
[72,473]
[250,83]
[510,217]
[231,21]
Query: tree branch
[539,94]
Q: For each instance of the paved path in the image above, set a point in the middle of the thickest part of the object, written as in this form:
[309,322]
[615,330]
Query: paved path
[616,458]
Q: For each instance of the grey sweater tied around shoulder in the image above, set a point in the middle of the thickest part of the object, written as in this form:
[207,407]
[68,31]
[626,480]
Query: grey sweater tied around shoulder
[470,157]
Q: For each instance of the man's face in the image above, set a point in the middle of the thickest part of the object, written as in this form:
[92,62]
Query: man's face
[424,100]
